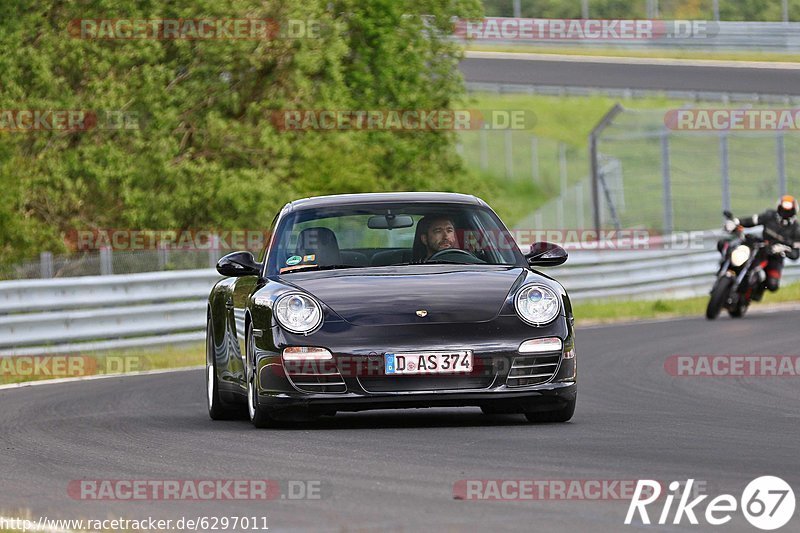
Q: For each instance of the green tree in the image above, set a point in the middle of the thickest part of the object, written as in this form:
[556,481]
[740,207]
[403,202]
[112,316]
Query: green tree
[204,152]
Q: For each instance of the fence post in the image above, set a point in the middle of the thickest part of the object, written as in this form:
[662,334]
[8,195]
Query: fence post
[781,160]
[724,167]
[579,205]
[163,255]
[484,142]
[666,182]
[562,185]
[106,266]
[594,163]
[517,8]
[535,158]
[585,9]
[213,251]
[509,154]
[46,265]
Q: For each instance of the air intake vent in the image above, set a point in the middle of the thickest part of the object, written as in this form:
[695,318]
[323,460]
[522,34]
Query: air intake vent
[533,370]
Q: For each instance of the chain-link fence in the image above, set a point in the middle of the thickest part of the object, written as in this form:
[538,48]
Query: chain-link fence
[107,262]
[649,176]
[670,180]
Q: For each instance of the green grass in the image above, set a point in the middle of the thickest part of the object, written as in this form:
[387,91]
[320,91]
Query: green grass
[117,362]
[616,311]
[644,53]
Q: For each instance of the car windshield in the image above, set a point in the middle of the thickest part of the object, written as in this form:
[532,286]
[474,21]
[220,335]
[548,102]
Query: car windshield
[391,235]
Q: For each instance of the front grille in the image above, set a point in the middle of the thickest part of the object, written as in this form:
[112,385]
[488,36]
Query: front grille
[326,379]
[533,369]
[425,383]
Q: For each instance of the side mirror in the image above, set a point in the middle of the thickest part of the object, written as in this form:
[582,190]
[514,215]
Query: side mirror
[546,254]
[239,264]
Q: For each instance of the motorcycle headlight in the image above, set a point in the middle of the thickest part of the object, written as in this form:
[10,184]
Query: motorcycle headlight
[298,313]
[740,255]
[536,304]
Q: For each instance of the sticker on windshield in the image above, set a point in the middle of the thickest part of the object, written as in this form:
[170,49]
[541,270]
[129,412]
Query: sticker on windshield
[295,259]
[308,258]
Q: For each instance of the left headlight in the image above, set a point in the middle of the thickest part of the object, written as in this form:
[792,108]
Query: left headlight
[536,304]
[297,312]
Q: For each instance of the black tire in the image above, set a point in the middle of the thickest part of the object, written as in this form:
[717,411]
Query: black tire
[259,415]
[563,414]
[217,409]
[718,297]
[739,310]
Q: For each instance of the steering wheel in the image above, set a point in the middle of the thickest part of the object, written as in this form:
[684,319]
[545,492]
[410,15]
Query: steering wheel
[471,259]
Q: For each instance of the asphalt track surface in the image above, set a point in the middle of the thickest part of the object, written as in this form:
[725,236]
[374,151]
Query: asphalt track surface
[624,75]
[395,470]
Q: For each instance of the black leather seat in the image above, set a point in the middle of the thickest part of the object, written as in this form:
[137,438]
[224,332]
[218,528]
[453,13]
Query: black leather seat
[391,257]
[320,242]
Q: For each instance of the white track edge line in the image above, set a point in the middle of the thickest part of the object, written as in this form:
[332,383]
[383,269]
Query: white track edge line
[98,376]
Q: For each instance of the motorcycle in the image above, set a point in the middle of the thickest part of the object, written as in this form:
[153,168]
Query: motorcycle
[741,274]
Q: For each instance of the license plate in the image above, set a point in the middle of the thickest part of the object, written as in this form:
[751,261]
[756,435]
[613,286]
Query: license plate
[428,363]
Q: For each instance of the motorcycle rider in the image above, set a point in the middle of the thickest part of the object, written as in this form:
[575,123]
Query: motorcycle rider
[782,231]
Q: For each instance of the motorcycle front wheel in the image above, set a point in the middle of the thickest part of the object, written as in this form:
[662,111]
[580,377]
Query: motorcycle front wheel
[719,294]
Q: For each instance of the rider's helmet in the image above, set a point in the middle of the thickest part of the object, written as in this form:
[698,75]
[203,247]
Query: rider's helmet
[787,207]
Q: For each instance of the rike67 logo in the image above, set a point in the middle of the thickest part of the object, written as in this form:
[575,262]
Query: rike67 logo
[768,503]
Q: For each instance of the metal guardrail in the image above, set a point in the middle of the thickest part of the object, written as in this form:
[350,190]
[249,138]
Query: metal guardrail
[695,35]
[91,313]
[694,96]
[103,312]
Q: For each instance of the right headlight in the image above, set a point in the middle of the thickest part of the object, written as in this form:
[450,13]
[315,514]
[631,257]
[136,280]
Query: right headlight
[740,255]
[298,313]
[537,304]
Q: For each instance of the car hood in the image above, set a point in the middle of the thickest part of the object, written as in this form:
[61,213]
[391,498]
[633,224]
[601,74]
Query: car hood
[381,297]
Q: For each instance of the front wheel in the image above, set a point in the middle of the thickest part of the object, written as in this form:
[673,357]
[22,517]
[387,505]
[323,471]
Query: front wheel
[719,294]
[217,410]
[739,309]
[258,414]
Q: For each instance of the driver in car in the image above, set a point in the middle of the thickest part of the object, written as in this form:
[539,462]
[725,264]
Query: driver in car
[437,233]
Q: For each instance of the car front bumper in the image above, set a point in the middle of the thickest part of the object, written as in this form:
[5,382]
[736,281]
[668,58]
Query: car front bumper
[359,382]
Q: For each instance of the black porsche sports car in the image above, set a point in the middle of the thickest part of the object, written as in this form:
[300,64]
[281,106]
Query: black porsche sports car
[389,300]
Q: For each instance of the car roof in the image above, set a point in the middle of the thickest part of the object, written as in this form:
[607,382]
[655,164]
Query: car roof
[384,197]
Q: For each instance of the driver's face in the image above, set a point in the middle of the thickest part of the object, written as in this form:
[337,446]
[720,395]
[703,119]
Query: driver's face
[441,235]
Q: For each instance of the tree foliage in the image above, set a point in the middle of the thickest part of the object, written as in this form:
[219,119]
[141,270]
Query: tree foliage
[204,153]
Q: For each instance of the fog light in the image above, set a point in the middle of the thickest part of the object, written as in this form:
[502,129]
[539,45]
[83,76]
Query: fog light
[548,344]
[306,353]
